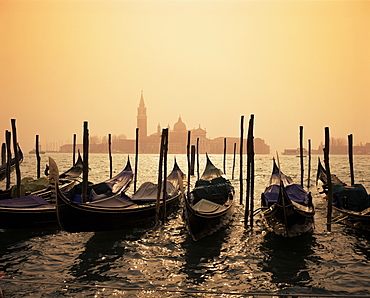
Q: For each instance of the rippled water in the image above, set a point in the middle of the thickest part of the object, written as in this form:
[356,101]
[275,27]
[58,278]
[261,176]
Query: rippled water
[166,262]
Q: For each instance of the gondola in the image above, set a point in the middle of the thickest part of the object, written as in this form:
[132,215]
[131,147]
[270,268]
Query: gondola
[39,210]
[41,186]
[287,209]
[210,204]
[105,211]
[350,204]
[3,167]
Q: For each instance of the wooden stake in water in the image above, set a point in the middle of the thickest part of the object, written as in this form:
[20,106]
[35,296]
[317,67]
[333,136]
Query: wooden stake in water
[16,155]
[159,183]
[165,150]
[74,149]
[85,172]
[192,160]
[232,175]
[110,155]
[38,158]
[350,157]
[3,153]
[8,157]
[188,159]
[249,201]
[328,174]
[309,164]
[136,157]
[241,159]
[225,156]
[198,174]
[301,153]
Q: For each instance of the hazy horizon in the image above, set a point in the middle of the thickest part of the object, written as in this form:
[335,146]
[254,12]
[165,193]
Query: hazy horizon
[290,63]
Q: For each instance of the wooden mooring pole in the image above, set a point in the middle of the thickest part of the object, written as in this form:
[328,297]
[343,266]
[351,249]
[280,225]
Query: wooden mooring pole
[225,156]
[309,165]
[241,159]
[110,155]
[328,174]
[160,175]
[350,158]
[16,155]
[136,157]
[8,157]
[38,158]
[301,153]
[85,172]
[74,149]
[249,201]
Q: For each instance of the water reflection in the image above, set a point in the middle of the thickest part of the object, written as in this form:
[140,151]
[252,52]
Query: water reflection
[285,259]
[101,252]
[202,258]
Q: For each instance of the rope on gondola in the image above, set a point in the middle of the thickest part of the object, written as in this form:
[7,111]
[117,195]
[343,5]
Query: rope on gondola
[161,289]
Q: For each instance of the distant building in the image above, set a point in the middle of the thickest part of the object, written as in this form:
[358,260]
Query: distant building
[177,140]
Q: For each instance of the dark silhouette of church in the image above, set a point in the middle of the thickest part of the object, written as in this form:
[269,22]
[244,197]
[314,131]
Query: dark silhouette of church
[177,140]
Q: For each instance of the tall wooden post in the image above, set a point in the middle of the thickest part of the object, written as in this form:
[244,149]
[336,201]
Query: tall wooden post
[188,159]
[250,175]
[192,160]
[301,153]
[16,155]
[38,158]
[350,157]
[85,172]
[74,150]
[110,155]
[225,156]
[136,157]
[198,174]
[241,159]
[8,157]
[160,175]
[328,174]
[165,150]
[3,153]
[233,171]
[309,164]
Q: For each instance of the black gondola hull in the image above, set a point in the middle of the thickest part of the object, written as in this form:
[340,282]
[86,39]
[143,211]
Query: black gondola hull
[200,225]
[82,218]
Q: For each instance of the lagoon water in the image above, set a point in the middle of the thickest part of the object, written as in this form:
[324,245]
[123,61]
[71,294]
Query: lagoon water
[166,262]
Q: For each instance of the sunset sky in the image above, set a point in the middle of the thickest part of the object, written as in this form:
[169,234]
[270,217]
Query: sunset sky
[289,63]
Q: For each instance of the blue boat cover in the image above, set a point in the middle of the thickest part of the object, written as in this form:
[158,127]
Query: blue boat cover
[354,198]
[295,193]
[31,201]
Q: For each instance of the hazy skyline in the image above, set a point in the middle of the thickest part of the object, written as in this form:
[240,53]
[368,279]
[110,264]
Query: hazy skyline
[289,63]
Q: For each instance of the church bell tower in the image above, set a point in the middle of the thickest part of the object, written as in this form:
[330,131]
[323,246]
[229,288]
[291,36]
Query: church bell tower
[142,118]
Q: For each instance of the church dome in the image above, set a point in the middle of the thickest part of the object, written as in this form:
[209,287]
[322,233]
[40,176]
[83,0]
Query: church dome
[179,125]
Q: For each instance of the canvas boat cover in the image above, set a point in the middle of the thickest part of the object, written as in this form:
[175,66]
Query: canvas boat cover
[148,192]
[354,198]
[206,206]
[216,190]
[30,185]
[294,191]
[26,202]
[122,201]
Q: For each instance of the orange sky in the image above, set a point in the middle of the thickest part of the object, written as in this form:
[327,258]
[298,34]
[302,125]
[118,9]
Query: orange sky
[289,63]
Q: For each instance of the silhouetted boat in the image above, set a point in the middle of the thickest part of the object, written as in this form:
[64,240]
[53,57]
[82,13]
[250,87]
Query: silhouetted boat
[287,209]
[114,211]
[210,205]
[35,209]
[351,204]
